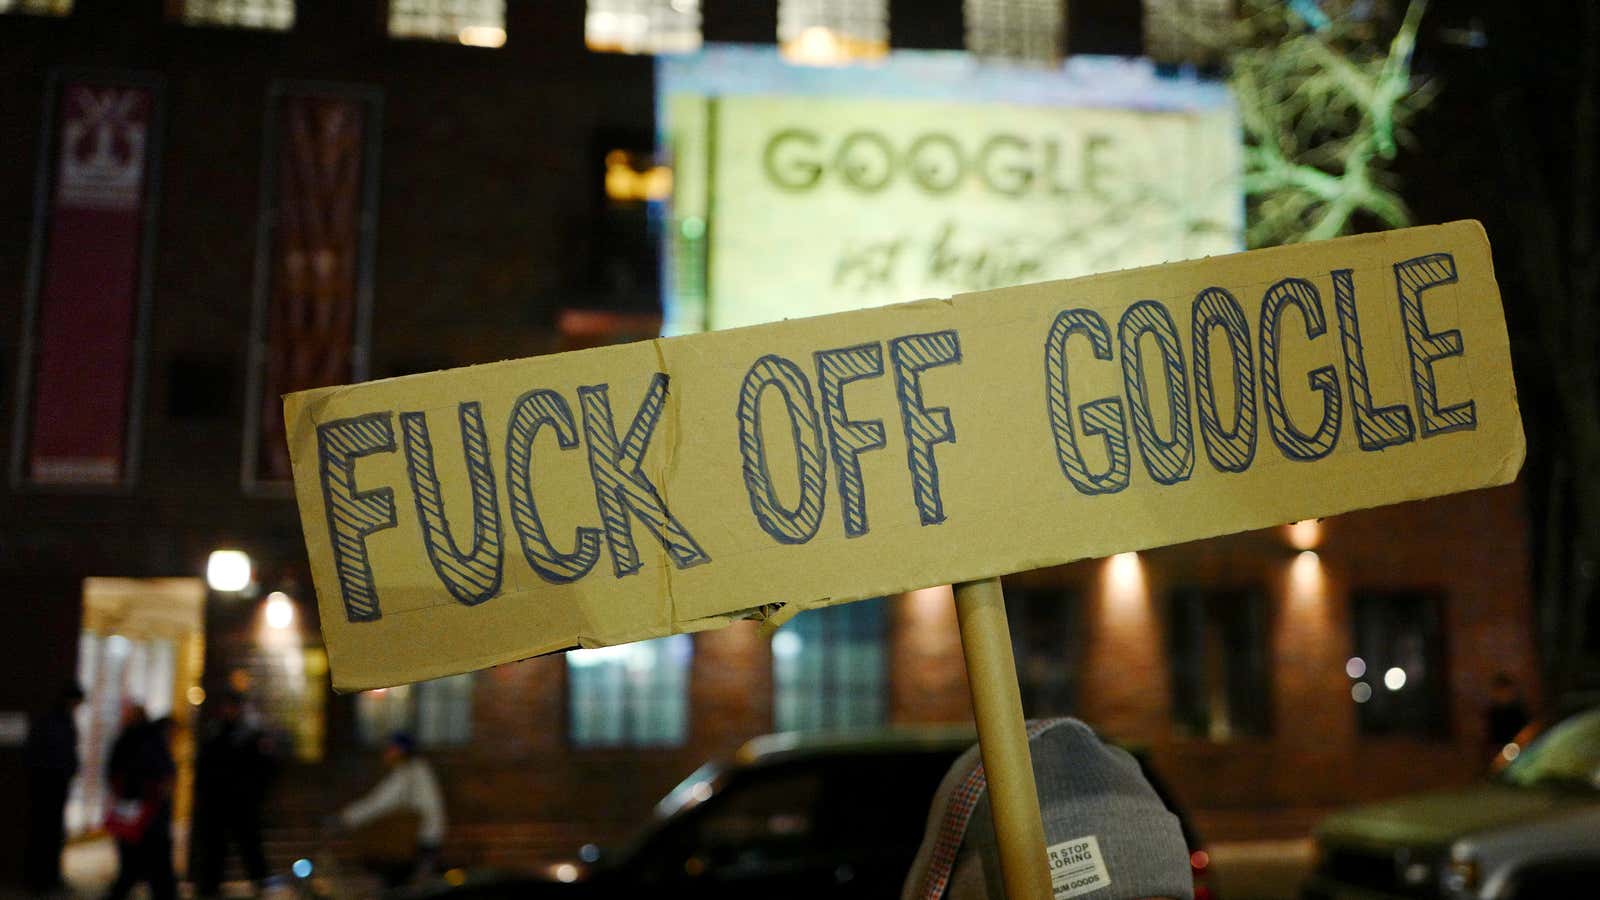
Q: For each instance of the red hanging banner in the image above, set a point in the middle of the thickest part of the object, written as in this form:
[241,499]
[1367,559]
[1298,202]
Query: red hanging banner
[318,208]
[79,385]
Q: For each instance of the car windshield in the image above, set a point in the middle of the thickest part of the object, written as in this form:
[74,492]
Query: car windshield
[1566,755]
[694,789]
[691,791]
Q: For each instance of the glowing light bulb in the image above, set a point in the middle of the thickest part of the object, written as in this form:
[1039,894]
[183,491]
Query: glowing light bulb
[228,571]
[279,611]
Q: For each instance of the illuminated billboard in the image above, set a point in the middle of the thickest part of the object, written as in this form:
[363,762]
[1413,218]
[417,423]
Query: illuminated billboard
[801,191]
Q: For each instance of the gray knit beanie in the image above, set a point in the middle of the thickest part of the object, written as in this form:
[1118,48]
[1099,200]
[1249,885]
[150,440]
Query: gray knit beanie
[1108,834]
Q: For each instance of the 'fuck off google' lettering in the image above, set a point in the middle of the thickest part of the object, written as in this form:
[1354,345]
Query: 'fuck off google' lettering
[826,441]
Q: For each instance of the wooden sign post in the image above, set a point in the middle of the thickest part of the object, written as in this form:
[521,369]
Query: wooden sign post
[464,519]
[1003,739]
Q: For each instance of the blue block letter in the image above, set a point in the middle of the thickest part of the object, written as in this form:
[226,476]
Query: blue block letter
[354,514]
[1377,428]
[620,487]
[1230,449]
[1413,277]
[1170,461]
[849,438]
[788,526]
[471,576]
[1099,416]
[924,426]
[533,411]
[1294,443]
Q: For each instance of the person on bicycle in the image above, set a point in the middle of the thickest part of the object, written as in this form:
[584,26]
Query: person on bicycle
[409,790]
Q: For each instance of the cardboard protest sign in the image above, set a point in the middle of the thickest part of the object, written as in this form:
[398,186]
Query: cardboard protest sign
[462,519]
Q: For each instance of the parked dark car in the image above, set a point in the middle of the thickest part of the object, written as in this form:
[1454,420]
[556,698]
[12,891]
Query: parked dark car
[1532,830]
[793,815]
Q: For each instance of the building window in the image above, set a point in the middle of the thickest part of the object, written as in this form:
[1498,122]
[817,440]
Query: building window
[632,695]
[1397,675]
[272,15]
[476,23]
[1045,630]
[1019,30]
[1221,678]
[833,32]
[438,713]
[829,669]
[1186,31]
[37,7]
[642,26]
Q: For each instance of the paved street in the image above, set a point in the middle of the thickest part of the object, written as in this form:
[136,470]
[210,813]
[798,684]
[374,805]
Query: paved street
[1246,870]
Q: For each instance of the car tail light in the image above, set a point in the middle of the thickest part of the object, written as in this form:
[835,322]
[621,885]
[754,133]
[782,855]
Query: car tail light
[1199,866]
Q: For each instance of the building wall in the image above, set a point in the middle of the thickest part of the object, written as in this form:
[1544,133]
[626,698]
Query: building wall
[1470,547]
[522,792]
[488,200]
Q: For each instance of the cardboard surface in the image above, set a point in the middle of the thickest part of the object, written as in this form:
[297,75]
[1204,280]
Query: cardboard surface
[673,485]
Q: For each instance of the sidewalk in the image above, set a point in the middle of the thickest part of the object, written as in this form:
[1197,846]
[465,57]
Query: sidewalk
[90,865]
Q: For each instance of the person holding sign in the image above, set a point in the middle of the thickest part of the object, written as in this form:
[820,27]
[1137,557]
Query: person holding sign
[1106,827]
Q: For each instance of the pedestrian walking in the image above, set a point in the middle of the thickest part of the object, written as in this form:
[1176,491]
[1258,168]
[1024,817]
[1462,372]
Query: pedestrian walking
[141,773]
[232,771]
[51,753]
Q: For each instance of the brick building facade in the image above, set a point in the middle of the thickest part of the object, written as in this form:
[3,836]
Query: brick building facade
[489,210]
[1119,655]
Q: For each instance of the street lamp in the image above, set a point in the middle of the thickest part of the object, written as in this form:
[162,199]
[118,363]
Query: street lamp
[228,571]
[279,611]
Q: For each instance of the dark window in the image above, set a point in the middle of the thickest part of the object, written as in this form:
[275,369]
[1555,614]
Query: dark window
[830,669]
[1045,640]
[1221,679]
[1398,673]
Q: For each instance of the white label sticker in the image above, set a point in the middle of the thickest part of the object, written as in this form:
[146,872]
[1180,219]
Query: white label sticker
[1076,868]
